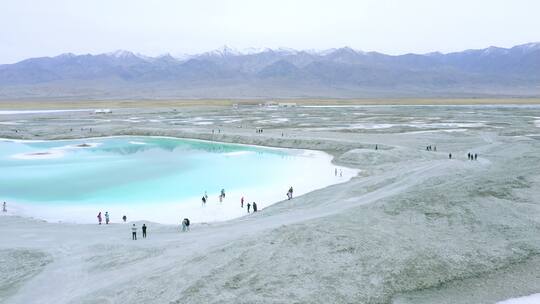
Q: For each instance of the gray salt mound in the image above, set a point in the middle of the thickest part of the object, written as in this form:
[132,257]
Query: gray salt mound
[18,266]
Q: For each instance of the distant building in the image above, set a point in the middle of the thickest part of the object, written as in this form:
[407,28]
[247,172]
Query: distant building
[287,104]
[270,104]
[103,111]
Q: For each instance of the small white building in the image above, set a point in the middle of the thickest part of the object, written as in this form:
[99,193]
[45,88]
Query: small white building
[103,111]
[270,104]
[287,104]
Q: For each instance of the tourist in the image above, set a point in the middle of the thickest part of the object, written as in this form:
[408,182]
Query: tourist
[124,218]
[106,217]
[340,175]
[475,156]
[249,206]
[134,233]
[203,200]
[254,207]
[242,202]
[290,192]
[205,195]
[144,231]
[435,148]
[185,225]
[99,217]
[223,193]
[4,208]
[376,147]
[469,156]
[449,155]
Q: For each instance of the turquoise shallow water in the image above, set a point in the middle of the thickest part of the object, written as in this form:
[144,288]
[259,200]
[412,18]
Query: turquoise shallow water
[141,170]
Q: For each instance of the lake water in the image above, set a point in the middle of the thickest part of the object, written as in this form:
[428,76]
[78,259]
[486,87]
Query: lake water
[152,178]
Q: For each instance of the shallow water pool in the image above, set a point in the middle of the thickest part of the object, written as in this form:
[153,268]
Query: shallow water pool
[153,178]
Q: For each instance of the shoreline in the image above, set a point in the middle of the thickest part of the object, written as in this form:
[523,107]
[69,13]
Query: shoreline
[189,207]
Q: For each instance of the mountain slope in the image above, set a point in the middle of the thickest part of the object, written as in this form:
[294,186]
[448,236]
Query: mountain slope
[338,73]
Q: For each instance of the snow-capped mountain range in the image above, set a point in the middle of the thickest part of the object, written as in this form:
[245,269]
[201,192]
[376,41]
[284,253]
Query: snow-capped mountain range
[283,72]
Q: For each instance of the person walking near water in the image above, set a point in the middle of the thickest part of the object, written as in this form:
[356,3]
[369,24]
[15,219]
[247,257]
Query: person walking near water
[106,217]
[185,225]
[144,231]
[4,208]
[133,232]
[99,218]
[249,206]
[254,207]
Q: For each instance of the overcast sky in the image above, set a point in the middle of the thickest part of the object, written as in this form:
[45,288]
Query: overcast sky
[32,28]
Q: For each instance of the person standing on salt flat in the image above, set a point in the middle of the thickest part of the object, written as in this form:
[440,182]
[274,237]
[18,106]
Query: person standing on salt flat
[203,200]
[249,206]
[124,218]
[340,174]
[107,217]
[134,232]
[144,231]
[185,225]
[242,202]
[4,208]
[99,217]
[223,193]
[290,193]
[254,207]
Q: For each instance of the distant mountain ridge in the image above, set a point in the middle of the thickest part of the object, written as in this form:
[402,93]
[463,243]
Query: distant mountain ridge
[278,73]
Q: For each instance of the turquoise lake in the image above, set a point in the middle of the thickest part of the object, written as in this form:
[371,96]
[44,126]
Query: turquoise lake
[136,172]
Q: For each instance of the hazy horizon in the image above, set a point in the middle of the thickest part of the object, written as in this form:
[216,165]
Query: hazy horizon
[31,29]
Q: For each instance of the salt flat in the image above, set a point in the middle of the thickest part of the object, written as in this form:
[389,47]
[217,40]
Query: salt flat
[413,227]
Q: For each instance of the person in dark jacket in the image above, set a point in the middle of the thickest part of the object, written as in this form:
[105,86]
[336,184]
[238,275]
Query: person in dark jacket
[144,231]
[254,207]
